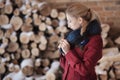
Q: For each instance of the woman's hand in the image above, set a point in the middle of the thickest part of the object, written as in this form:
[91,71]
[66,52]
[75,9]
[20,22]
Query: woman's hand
[64,45]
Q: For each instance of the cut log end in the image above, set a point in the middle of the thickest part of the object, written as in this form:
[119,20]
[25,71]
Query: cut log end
[4,19]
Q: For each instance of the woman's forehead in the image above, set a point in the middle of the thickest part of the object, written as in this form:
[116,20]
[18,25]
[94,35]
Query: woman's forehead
[69,16]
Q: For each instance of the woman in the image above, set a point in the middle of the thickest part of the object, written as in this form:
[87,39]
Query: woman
[79,61]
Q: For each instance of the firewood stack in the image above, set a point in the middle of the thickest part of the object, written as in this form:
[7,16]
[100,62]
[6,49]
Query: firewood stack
[30,31]
[108,67]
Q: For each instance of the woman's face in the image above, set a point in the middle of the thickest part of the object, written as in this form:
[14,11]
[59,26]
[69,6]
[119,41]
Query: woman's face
[73,22]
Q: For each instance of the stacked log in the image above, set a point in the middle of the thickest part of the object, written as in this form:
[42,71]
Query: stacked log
[30,31]
[108,66]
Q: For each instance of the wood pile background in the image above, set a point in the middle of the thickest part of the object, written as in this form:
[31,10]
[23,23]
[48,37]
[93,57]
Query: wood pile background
[29,33]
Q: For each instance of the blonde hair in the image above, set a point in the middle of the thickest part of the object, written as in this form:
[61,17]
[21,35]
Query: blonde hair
[78,10]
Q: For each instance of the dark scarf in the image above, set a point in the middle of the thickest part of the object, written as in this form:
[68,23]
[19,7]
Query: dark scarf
[74,38]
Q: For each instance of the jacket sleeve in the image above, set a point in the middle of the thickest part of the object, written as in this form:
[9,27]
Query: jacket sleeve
[62,61]
[91,56]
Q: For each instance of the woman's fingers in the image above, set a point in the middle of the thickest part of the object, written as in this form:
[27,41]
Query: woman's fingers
[66,42]
[63,43]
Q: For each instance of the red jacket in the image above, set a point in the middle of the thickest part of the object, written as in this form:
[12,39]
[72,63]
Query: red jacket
[80,64]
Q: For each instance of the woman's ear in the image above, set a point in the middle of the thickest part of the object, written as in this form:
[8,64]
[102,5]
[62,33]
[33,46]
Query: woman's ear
[80,20]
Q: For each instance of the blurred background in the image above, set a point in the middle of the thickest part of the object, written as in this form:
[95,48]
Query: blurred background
[31,29]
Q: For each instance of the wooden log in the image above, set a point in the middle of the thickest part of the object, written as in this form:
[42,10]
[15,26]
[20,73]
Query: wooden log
[48,21]
[56,54]
[2,60]
[17,68]
[12,57]
[55,23]
[2,5]
[4,19]
[36,38]
[8,9]
[7,56]
[61,16]
[104,35]
[105,42]
[113,58]
[117,74]
[53,39]
[105,28]
[25,37]
[24,46]
[45,62]
[50,75]
[117,41]
[16,22]
[29,78]
[26,27]
[2,68]
[62,22]
[50,30]
[28,6]
[116,65]
[42,18]
[112,74]
[19,3]
[26,9]
[43,40]
[35,8]
[33,45]
[110,42]
[37,21]
[38,71]
[42,27]
[38,62]
[62,29]
[110,51]
[103,77]
[28,20]
[8,32]
[14,61]
[11,67]
[44,9]
[45,69]
[2,50]
[8,78]
[6,26]
[1,34]
[35,51]
[25,53]
[27,67]
[52,55]
[54,13]
[51,47]
[5,42]
[17,55]
[42,47]
[12,47]
[16,12]
[32,37]
[13,37]
[102,68]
